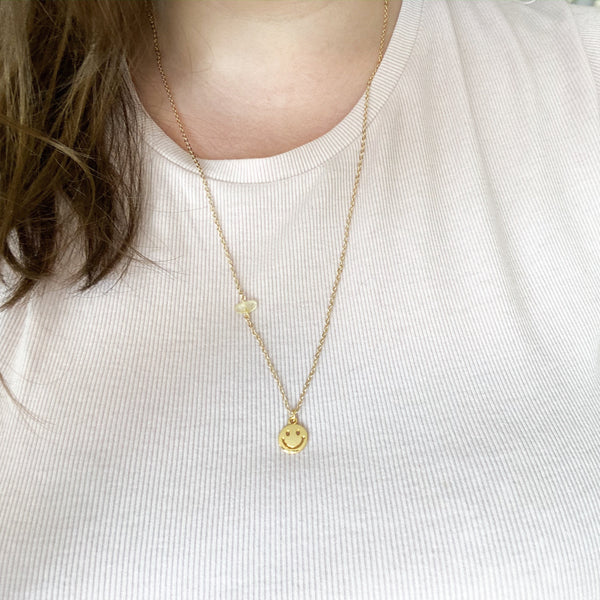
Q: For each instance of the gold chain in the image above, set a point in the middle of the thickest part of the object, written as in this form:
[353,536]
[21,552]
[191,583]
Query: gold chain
[292,412]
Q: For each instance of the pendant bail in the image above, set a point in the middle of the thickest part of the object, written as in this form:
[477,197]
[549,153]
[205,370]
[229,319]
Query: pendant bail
[293,419]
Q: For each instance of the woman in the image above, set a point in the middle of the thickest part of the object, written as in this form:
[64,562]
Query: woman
[356,352]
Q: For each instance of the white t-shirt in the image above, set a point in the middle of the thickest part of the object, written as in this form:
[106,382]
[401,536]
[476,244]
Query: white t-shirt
[454,416]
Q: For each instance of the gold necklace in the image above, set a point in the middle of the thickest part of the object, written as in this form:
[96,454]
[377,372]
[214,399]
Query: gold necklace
[293,437]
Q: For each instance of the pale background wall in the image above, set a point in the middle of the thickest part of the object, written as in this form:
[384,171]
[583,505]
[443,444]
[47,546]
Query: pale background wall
[595,3]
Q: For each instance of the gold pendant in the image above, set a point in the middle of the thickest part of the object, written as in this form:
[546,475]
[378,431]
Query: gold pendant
[293,437]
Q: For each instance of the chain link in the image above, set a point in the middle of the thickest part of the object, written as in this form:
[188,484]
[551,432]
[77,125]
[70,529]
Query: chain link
[241,293]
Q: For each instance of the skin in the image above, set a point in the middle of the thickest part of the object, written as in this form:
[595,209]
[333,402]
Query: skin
[255,78]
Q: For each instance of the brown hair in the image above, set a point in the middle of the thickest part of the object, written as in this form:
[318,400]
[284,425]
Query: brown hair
[62,93]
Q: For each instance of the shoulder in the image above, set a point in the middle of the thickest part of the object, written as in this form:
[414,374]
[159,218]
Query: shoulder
[530,15]
[554,36]
[586,20]
[539,22]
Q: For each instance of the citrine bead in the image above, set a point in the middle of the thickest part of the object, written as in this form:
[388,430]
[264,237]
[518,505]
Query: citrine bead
[247,306]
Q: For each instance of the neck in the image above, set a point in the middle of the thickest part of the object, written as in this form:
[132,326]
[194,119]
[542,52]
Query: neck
[267,37]
[253,78]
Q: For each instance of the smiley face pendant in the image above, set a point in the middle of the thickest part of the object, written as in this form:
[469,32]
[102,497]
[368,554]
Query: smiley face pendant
[293,437]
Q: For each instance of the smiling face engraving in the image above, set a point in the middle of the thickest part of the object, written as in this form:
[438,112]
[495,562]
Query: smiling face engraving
[293,438]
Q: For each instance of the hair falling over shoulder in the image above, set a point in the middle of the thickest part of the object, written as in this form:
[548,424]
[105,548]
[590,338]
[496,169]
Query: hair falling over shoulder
[62,92]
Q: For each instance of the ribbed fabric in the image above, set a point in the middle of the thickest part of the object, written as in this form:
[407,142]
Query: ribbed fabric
[454,417]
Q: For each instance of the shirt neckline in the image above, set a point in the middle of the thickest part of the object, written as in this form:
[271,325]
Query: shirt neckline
[314,153]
